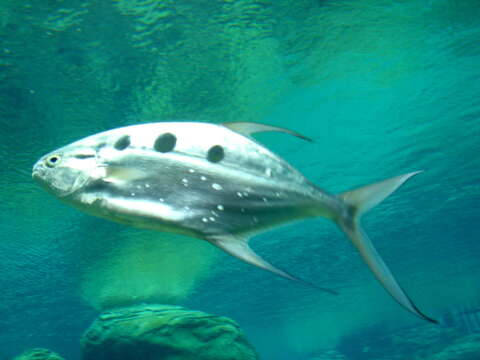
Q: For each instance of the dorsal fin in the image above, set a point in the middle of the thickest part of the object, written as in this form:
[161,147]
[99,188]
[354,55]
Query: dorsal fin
[248,128]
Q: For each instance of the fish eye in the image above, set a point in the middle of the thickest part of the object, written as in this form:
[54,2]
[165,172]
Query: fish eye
[53,160]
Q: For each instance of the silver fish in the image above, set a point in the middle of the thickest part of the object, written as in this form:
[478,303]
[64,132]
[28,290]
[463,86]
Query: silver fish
[208,181]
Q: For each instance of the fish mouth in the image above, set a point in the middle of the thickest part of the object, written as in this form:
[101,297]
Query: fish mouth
[36,175]
[37,172]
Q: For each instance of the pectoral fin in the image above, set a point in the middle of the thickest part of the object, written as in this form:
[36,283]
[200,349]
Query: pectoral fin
[248,128]
[238,247]
[118,174]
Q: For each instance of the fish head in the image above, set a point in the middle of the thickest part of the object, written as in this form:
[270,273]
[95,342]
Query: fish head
[67,170]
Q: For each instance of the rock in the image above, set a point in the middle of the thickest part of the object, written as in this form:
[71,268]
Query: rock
[329,355]
[38,354]
[158,332]
[413,342]
[465,348]
[422,342]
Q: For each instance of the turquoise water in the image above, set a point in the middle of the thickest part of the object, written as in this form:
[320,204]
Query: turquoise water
[383,87]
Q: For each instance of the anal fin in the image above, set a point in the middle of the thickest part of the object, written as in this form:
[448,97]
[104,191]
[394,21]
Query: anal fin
[238,246]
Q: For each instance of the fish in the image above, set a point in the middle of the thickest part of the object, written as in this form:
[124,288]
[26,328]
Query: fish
[209,181]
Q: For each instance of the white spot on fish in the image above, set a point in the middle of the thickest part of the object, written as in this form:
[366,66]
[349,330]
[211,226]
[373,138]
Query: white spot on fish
[147,185]
[161,199]
[187,207]
[220,207]
[268,172]
[191,171]
[185,181]
[277,194]
[139,186]
[204,219]
[217,186]
[203,178]
[245,193]
[214,213]
[240,195]
[132,194]
[264,199]
[212,218]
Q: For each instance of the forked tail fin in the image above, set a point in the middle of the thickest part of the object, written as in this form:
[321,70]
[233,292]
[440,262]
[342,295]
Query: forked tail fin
[358,202]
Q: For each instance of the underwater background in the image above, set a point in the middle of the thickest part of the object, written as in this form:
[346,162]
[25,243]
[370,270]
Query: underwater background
[383,87]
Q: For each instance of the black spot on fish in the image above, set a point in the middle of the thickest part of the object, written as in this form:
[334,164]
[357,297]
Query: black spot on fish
[215,154]
[122,143]
[165,143]
[84,156]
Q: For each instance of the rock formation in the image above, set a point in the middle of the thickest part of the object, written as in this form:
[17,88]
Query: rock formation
[158,332]
[38,354]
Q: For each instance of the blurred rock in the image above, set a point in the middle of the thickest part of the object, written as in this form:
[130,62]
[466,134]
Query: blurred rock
[416,342]
[329,355]
[423,342]
[465,348]
[38,354]
[158,332]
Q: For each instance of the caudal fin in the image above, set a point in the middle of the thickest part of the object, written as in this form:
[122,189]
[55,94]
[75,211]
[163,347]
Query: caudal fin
[358,202]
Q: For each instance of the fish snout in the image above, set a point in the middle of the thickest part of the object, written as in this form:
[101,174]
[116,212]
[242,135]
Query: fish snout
[38,170]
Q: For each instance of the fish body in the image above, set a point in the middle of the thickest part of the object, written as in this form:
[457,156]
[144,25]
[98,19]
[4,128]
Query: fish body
[248,190]
[209,181]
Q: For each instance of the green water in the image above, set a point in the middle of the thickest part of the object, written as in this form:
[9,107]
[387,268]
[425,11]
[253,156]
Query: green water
[384,88]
